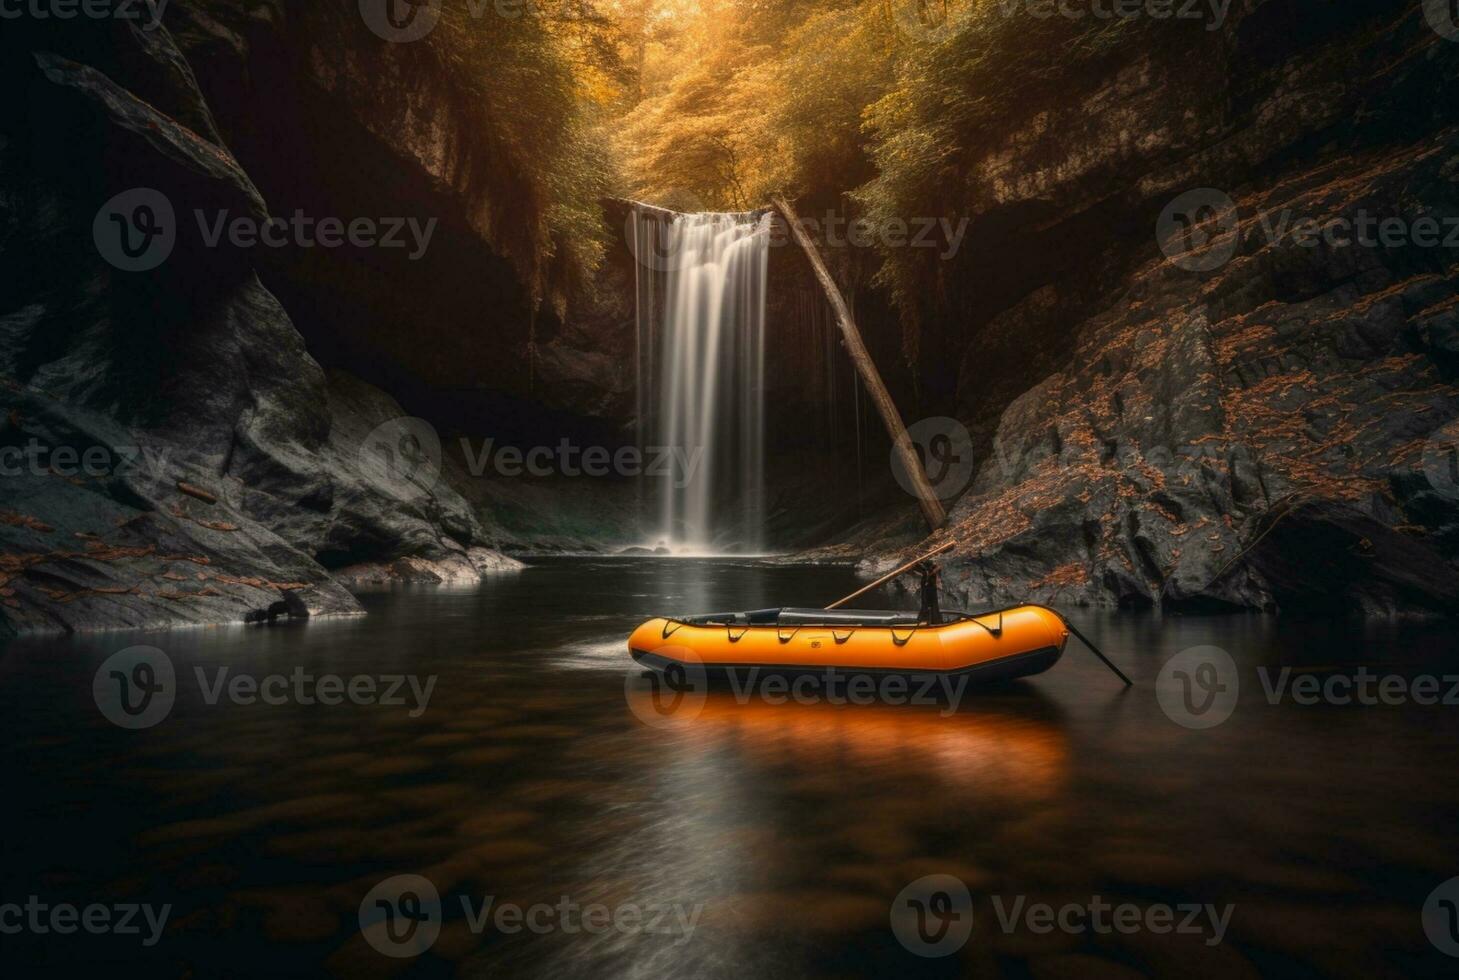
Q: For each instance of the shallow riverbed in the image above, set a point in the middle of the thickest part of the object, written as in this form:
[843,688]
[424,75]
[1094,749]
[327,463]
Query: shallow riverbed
[752,839]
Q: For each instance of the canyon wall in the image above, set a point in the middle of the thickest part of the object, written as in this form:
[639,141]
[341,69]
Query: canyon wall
[172,452]
[1242,413]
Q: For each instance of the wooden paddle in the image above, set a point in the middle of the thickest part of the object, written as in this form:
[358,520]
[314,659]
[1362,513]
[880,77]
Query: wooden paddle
[911,565]
[891,575]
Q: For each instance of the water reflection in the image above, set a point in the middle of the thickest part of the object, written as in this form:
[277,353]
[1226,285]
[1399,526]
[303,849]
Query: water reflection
[791,827]
[1007,754]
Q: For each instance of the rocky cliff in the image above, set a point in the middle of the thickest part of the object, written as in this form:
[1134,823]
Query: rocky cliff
[172,453]
[1177,392]
[330,119]
[1185,384]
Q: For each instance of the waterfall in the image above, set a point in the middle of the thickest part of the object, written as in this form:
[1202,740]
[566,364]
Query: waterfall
[701,375]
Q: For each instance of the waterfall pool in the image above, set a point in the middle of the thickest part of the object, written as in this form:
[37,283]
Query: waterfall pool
[770,840]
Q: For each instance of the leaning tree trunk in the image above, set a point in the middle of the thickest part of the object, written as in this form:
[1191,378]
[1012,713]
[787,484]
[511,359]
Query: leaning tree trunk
[931,507]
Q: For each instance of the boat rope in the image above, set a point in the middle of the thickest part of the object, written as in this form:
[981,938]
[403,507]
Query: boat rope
[993,631]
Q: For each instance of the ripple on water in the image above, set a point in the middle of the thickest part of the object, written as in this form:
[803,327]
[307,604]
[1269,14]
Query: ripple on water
[608,653]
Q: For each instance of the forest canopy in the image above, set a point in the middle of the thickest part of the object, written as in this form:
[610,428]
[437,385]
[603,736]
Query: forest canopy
[868,106]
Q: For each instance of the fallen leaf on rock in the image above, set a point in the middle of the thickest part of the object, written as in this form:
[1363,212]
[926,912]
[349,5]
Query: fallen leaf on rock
[197,492]
[24,520]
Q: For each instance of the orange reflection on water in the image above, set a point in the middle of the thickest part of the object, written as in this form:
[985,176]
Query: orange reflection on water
[1017,749]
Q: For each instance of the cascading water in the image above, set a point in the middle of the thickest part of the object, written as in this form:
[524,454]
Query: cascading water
[703,358]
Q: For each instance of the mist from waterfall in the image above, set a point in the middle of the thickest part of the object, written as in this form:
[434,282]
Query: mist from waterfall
[704,361]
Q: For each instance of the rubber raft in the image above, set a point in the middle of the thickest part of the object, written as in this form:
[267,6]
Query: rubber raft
[1000,645]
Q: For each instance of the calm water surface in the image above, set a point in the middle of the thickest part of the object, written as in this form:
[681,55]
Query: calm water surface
[788,829]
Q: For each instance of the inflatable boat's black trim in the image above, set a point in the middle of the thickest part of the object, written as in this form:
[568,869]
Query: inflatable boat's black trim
[847,617]
[853,618]
[1017,665]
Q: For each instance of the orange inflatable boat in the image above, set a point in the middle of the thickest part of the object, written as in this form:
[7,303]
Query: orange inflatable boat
[992,646]
[1000,645]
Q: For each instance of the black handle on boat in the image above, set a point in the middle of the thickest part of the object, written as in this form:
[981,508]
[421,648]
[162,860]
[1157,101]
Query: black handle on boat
[1085,640]
[910,566]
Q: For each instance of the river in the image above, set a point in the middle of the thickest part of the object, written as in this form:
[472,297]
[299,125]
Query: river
[743,839]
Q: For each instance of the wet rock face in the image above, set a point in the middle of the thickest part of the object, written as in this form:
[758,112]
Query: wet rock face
[1144,418]
[171,453]
[329,119]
